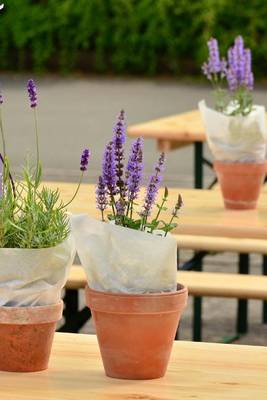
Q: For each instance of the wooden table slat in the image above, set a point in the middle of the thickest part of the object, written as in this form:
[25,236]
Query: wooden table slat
[203,213]
[201,371]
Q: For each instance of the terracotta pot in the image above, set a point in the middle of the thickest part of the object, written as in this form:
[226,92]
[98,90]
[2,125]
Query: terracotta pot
[240,183]
[136,332]
[26,336]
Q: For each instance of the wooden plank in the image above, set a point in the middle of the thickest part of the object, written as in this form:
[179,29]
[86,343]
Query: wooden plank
[215,284]
[203,371]
[168,145]
[211,284]
[221,244]
[202,215]
[184,127]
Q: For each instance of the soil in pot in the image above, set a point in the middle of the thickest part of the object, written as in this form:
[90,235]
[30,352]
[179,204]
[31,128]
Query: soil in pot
[136,332]
[240,183]
[26,336]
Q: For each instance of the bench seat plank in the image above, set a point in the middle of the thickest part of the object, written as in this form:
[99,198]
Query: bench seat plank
[211,284]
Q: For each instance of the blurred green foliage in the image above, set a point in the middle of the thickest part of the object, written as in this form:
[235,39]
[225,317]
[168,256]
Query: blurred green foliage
[127,36]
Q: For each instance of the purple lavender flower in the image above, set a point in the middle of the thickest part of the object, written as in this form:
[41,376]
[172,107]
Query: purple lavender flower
[214,64]
[248,75]
[109,170]
[120,207]
[119,140]
[101,194]
[134,169]
[32,93]
[1,99]
[214,56]
[153,187]
[84,160]
[239,73]
[238,54]
[231,79]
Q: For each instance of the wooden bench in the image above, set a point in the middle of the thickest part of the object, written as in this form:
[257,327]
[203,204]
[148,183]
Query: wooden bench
[200,284]
[206,284]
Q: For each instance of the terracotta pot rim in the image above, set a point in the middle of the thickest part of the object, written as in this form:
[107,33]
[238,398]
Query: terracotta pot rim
[126,303]
[240,169]
[180,290]
[31,315]
[240,163]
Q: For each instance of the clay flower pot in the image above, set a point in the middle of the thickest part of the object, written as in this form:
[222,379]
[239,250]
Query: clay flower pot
[26,336]
[136,332]
[240,183]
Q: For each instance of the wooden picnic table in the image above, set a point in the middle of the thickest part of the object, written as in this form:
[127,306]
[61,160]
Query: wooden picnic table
[206,225]
[174,132]
[200,371]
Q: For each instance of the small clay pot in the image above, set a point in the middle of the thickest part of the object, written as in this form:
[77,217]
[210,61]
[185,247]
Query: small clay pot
[135,332]
[240,183]
[26,336]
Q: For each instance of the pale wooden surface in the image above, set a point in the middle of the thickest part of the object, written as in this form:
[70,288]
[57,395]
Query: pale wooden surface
[201,284]
[201,371]
[202,215]
[184,128]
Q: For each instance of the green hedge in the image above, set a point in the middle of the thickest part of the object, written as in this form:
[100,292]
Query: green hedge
[126,36]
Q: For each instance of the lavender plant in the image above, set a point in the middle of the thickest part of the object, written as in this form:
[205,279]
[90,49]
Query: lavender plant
[232,78]
[31,215]
[118,187]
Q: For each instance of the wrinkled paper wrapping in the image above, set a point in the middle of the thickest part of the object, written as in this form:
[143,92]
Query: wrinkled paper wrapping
[122,260]
[34,277]
[235,138]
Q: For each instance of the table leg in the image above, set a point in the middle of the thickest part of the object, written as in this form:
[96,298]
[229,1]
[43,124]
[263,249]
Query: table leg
[264,272]
[74,319]
[242,311]
[198,184]
[197,313]
[198,165]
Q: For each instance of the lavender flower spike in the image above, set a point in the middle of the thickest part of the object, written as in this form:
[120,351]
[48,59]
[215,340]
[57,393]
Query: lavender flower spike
[239,73]
[84,160]
[120,207]
[153,187]
[214,56]
[32,93]
[179,204]
[119,140]
[214,64]
[101,195]
[248,74]
[109,171]
[134,169]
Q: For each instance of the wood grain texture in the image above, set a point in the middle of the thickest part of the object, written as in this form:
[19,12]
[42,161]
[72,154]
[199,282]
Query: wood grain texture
[185,127]
[211,284]
[202,215]
[201,371]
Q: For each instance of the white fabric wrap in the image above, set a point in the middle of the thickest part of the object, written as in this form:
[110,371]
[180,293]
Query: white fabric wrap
[34,277]
[235,138]
[122,260]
